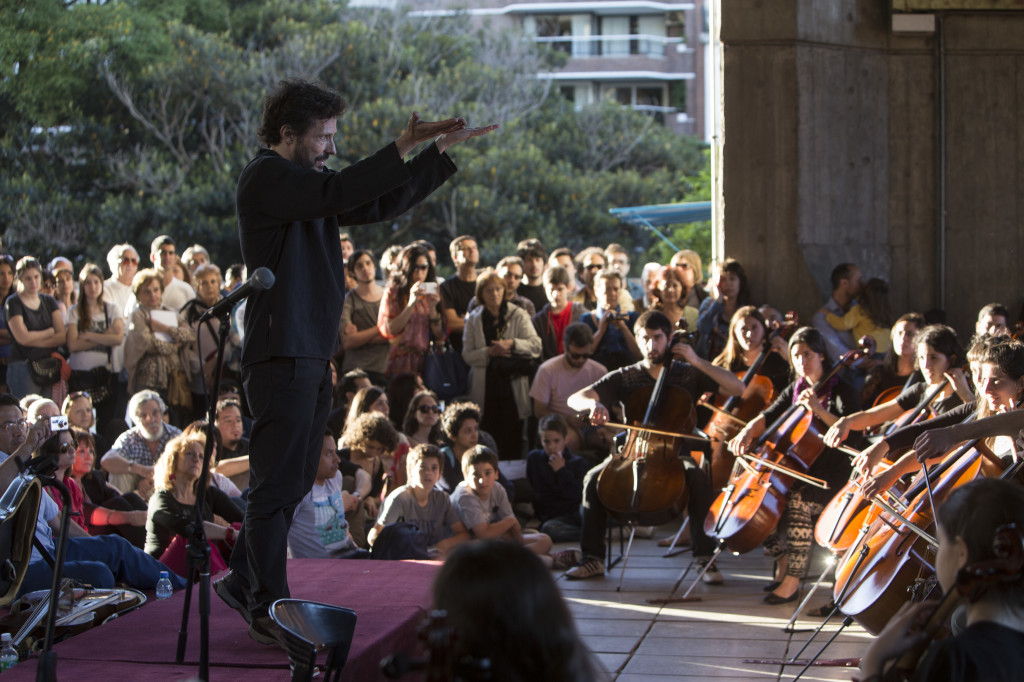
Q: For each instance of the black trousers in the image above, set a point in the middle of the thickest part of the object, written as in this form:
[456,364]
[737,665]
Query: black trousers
[290,399]
[595,517]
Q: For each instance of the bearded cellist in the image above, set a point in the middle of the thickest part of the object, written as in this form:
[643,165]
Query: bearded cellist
[688,372]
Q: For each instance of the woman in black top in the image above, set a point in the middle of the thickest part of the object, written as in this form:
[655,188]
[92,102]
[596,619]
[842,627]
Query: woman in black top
[790,545]
[939,358]
[176,476]
[36,326]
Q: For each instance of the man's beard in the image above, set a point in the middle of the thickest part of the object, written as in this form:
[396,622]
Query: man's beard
[151,438]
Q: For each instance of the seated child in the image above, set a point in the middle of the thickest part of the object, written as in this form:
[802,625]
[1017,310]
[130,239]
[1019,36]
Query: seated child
[319,527]
[484,509]
[418,503]
[556,476]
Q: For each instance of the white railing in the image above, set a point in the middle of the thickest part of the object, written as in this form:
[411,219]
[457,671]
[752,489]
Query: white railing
[611,45]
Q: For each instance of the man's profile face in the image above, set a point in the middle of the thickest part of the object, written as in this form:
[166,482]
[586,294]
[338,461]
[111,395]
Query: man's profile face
[315,146]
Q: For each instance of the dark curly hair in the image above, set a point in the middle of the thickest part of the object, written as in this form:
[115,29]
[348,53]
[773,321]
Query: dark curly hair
[455,414]
[298,104]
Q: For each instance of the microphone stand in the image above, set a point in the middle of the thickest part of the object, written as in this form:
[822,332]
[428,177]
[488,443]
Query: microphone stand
[46,669]
[198,553]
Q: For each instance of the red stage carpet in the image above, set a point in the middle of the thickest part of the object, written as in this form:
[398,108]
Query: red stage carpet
[389,597]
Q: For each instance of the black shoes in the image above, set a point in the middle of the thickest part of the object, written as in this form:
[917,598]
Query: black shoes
[774,599]
[770,587]
[234,593]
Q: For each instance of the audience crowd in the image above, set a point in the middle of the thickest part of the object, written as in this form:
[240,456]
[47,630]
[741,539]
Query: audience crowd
[451,415]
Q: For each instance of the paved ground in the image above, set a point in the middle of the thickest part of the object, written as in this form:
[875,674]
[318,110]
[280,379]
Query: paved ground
[700,640]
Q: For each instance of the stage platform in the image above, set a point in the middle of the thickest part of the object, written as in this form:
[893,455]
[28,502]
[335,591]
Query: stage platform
[389,597]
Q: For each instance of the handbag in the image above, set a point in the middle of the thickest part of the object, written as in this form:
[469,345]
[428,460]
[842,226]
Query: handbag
[514,365]
[96,382]
[179,394]
[45,371]
[445,373]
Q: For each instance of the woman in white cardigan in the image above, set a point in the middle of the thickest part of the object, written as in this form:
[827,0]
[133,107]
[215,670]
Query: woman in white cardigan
[502,350]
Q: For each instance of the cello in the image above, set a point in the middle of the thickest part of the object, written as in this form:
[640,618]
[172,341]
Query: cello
[729,416]
[644,483]
[750,507]
[875,576]
[843,516]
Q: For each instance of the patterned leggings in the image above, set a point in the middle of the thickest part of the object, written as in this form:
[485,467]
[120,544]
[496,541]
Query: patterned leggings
[795,533]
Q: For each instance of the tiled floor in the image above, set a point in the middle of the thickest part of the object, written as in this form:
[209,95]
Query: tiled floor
[710,639]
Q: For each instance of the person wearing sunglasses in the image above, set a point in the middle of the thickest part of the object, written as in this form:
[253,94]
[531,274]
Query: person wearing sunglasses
[563,375]
[409,314]
[422,423]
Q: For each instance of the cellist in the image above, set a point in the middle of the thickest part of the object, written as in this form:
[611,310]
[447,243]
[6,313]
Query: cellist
[1000,383]
[790,545]
[938,357]
[991,648]
[747,332]
[687,371]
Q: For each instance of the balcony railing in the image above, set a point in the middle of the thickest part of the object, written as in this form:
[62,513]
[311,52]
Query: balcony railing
[617,46]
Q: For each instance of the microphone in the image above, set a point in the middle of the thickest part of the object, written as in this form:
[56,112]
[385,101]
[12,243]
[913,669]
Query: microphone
[261,280]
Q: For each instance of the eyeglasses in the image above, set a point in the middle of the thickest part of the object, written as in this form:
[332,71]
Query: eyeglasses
[592,266]
[79,394]
[20,425]
[424,409]
[67,447]
[129,260]
[579,356]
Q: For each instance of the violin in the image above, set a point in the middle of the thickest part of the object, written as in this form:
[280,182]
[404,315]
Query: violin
[645,482]
[732,414]
[843,516]
[970,584]
[750,507]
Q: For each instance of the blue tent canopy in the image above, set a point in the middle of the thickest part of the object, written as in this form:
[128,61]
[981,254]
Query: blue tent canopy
[659,215]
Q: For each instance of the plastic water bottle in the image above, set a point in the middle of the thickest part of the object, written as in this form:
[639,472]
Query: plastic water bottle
[8,654]
[163,586]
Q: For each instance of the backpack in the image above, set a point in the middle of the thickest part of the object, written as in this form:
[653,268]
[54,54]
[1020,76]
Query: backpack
[401,540]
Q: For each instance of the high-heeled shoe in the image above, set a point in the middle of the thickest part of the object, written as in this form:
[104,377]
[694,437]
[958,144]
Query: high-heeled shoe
[770,587]
[774,599]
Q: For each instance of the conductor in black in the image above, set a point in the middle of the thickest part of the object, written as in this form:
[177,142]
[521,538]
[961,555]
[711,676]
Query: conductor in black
[290,208]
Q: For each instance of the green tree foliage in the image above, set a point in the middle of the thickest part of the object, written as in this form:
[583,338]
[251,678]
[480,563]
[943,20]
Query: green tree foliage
[124,119]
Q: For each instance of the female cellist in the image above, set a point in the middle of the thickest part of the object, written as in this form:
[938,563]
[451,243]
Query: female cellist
[939,356]
[897,367]
[747,332]
[991,648]
[790,545]
[1001,385]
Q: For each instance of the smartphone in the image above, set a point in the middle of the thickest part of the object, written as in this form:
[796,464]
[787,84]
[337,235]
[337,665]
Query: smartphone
[428,288]
[59,423]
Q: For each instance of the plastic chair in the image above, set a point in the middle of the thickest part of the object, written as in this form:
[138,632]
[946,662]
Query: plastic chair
[311,627]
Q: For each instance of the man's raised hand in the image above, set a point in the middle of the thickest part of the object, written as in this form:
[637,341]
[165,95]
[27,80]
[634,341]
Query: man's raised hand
[420,131]
[446,140]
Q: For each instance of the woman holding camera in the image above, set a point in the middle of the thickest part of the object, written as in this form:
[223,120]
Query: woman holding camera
[409,313]
[614,344]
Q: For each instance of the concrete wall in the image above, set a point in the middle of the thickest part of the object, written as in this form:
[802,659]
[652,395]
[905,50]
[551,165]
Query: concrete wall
[830,153]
